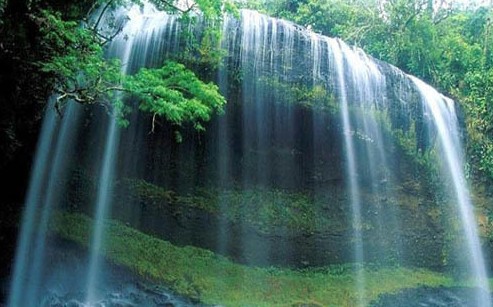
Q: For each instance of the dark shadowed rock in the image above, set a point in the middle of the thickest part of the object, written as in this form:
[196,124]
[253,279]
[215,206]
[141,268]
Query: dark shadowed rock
[432,297]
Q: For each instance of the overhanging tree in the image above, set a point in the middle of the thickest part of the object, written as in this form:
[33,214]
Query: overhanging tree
[73,57]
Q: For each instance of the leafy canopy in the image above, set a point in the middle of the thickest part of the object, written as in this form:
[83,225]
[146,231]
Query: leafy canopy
[448,44]
[73,58]
[175,93]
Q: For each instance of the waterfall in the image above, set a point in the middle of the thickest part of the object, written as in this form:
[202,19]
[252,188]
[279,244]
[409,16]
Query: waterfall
[142,24]
[351,167]
[307,115]
[22,264]
[55,150]
[443,112]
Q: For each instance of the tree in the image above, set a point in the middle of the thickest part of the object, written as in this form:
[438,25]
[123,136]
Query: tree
[73,58]
[446,44]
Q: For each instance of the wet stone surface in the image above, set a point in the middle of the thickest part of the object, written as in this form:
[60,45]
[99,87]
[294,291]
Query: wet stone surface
[64,284]
[432,297]
[128,295]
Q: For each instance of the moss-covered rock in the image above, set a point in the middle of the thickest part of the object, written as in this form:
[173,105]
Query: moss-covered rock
[279,227]
[213,279]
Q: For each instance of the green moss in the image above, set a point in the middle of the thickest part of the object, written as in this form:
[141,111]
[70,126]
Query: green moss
[318,96]
[146,191]
[213,279]
[266,210]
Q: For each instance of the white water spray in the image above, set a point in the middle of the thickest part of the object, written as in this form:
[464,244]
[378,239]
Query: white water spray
[142,24]
[445,119]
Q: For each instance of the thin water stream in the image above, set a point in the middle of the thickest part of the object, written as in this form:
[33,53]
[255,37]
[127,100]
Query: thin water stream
[307,115]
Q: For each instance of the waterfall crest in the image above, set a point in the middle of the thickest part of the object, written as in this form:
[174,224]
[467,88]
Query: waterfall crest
[307,115]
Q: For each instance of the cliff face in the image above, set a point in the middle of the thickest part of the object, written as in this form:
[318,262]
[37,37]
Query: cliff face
[271,177]
[270,181]
[25,88]
[23,98]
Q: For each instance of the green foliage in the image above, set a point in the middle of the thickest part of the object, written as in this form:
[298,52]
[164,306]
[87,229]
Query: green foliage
[480,119]
[202,50]
[316,96]
[175,93]
[74,58]
[145,190]
[266,210]
[211,9]
[449,46]
[213,279]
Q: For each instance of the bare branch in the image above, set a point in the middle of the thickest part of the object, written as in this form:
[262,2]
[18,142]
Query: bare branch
[117,88]
[359,32]
[89,13]
[106,7]
[153,123]
[110,38]
[408,21]
[174,7]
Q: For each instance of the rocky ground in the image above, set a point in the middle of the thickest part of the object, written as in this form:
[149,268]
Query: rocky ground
[432,297]
[64,282]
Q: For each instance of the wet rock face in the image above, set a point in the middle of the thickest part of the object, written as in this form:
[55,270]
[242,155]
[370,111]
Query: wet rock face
[65,274]
[416,243]
[242,242]
[131,295]
[238,231]
[281,130]
[432,297]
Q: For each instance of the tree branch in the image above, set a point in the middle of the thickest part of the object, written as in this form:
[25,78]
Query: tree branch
[89,13]
[174,7]
[117,88]
[106,7]
[109,39]
[153,123]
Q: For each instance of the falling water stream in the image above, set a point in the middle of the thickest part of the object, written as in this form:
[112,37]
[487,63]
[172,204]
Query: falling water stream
[351,168]
[22,263]
[443,112]
[271,138]
[142,24]
[55,151]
